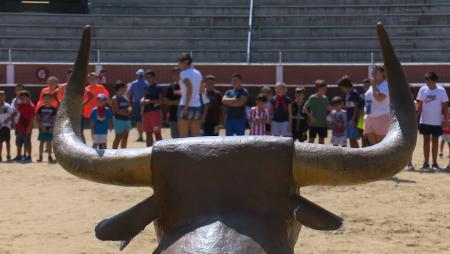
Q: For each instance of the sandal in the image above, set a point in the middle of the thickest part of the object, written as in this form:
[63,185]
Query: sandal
[40,159]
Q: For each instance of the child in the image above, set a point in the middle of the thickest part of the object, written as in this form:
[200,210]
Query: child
[6,119]
[100,117]
[353,108]
[299,118]
[267,91]
[122,111]
[258,117]
[281,112]
[317,107]
[24,126]
[337,120]
[45,119]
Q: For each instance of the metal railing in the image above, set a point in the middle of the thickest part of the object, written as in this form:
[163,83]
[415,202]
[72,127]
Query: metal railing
[250,28]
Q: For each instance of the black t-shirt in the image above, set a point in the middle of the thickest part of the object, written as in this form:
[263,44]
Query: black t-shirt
[280,112]
[46,115]
[215,103]
[236,113]
[173,93]
[299,119]
[122,103]
[153,92]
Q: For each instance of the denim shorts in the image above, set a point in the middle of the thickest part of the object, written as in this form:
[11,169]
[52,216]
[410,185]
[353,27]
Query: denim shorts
[192,113]
[121,126]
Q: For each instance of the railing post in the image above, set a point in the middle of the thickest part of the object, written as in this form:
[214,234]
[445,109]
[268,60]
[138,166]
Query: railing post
[279,68]
[10,79]
[250,28]
[98,66]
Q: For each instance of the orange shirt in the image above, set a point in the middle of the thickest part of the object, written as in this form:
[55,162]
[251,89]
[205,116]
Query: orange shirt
[47,89]
[61,91]
[98,89]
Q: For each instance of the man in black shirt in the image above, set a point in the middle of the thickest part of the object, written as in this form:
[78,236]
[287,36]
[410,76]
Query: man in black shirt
[214,115]
[172,99]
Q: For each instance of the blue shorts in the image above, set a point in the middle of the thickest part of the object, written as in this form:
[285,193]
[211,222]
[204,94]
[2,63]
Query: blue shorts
[353,132]
[45,136]
[121,126]
[192,113]
[235,127]
[136,115]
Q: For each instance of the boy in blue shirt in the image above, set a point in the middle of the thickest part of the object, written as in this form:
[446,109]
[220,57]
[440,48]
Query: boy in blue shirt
[100,118]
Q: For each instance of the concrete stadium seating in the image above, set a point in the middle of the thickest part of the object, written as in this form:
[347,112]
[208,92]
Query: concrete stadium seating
[309,31]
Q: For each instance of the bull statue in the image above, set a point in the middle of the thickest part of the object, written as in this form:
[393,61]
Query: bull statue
[230,194]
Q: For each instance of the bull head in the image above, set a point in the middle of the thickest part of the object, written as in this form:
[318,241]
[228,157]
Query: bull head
[230,194]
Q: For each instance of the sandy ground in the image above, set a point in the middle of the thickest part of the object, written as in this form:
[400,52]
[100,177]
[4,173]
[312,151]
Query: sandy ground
[46,210]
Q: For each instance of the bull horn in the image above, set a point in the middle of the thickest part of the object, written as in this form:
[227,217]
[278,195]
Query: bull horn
[130,167]
[317,165]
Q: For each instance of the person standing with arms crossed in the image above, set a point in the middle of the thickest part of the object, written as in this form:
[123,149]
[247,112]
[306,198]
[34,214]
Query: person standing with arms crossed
[235,100]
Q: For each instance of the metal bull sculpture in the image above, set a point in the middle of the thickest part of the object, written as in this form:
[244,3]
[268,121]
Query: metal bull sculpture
[230,194]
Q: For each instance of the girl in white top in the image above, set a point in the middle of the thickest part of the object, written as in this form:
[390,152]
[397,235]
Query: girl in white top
[376,108]
[190,111]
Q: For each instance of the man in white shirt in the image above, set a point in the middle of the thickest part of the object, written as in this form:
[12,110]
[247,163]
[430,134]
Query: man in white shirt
[6,120]
[376,108]
[432,104]
[190,111]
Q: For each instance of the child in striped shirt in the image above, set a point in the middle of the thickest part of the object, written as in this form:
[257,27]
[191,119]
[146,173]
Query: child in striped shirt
[258,117]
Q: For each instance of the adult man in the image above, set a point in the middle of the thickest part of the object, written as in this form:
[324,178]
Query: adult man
[235,100]
[432,104]
[136,92]
[172,100]
[151,108]
[190,111]
[376,107]
[214,115]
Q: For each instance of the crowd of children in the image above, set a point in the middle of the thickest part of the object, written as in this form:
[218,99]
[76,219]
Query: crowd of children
[353,118]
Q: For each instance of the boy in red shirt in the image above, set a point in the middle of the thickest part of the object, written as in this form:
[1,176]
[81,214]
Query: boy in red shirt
[259,117]
[24,126]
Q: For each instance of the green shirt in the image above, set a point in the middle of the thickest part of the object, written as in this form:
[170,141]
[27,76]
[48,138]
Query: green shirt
[318,105]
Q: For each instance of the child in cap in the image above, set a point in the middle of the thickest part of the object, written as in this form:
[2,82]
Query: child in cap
[100,117]
[45,119]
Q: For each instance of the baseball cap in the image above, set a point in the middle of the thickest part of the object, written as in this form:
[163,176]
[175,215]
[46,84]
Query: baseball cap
[102,96]
[140,72]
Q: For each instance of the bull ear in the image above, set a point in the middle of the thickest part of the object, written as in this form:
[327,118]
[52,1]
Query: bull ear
[314,216]
[129,167]
[317,165]
[127,224]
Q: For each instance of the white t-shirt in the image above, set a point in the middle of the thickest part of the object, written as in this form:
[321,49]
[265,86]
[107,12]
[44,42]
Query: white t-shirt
[196,79]
[16,101]
[432,104]
[373,107]
[5,111]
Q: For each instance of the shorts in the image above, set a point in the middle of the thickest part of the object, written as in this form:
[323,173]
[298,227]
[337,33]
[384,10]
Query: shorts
[339,140]
[280,129]
[99,138]
[378,125]
[446,138]
[45,136]
[152,121]
[23,139]
[353,133]
[193,113]
[314,131]
[121,126]
[235,127]
[210,129]
[5,134]
[434,130]
[136,115]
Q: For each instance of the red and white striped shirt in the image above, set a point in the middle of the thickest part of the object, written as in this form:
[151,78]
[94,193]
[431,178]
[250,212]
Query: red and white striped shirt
[255,116]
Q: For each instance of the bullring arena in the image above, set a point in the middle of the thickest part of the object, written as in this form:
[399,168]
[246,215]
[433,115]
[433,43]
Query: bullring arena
[47,210]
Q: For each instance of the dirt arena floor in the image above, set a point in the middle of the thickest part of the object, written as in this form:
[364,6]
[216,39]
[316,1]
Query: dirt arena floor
[46,210]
